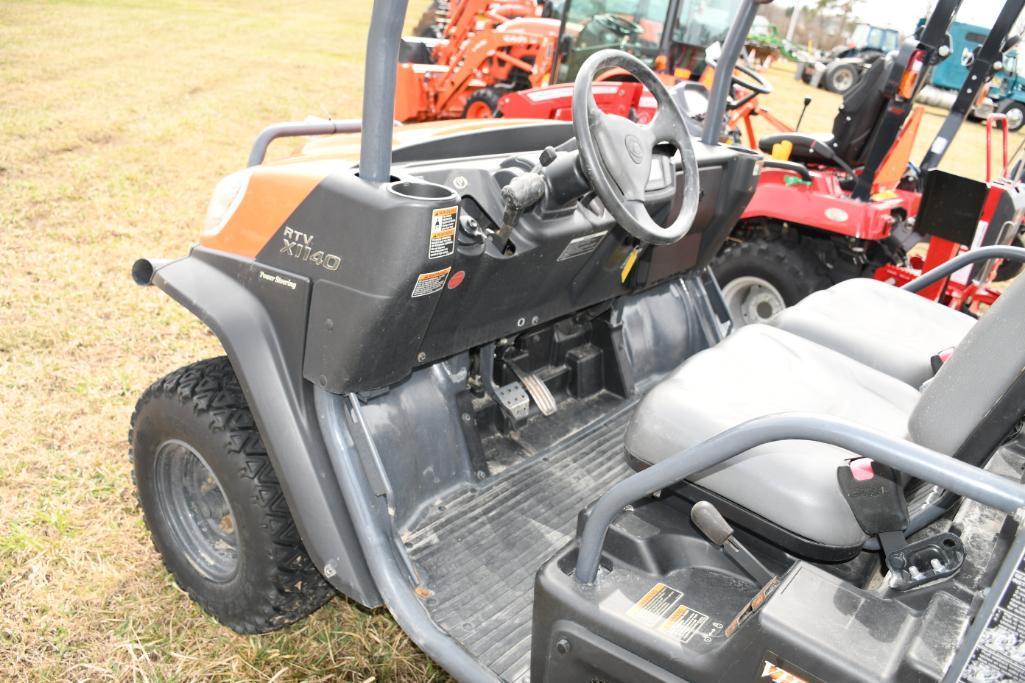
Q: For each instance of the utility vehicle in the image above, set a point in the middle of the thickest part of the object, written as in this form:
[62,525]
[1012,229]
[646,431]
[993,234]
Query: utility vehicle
[479,373]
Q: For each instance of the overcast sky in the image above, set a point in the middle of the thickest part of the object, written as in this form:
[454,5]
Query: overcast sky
[904,14]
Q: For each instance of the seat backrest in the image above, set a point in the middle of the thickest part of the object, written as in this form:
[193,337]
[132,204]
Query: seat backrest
[861,111]
[978,396]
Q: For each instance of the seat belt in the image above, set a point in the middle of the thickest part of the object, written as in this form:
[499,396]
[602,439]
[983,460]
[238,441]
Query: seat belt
[876,497]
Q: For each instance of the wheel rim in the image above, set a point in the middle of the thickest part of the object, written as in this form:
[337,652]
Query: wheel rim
[479,110]
[752,299]
[193,504]
[843,79]
[1015,117]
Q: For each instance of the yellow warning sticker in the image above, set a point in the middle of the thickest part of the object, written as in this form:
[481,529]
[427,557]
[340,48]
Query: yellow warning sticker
[683,623]
[443,232]
[429,283]
[656,605]
[662,609]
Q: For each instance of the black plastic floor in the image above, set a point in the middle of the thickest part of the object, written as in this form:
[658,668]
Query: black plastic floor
[480,551]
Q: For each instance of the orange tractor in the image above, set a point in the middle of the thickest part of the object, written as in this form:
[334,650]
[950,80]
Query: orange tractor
[487,49]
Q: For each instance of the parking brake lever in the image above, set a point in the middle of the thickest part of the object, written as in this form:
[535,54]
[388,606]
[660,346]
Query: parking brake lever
[711,523]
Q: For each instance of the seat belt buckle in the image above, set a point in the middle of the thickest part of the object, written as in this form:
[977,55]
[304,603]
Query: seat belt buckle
[939,359]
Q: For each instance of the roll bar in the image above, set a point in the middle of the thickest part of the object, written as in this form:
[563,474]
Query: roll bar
[958,262]
[731,49]
[382,62]
[297,129]
[917,461]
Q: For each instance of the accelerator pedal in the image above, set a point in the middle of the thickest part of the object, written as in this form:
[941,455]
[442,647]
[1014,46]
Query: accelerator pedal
[536,388]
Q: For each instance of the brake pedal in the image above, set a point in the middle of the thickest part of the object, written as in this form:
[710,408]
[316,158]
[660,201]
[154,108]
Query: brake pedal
[536,388]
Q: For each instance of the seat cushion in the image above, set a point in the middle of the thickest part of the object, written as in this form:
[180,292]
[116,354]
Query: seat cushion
[880,325]
[802,152]
[760,370]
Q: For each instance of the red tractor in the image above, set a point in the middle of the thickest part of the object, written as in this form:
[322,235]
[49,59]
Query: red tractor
[834,206]
[486,49]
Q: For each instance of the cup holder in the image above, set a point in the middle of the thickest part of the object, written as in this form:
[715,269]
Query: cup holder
[422,190]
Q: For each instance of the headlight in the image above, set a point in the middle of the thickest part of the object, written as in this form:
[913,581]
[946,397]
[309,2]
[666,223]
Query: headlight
[227,196]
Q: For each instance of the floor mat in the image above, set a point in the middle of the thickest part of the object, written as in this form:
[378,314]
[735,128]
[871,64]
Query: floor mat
[480,550]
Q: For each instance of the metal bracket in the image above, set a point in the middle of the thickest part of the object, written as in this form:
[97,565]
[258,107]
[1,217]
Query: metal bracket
[914,564]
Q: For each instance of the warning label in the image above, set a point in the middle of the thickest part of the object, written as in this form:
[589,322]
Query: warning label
[656,605]
[582,245]
[683,623]
[429,283]
[443,232]
[662,609]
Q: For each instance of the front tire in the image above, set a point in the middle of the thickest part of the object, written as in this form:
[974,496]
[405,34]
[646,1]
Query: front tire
[760,277]
[214,506]
[483,104]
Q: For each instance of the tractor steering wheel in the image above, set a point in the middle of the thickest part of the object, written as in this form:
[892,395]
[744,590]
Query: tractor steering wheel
[757,84]
[620,25]
[615,152]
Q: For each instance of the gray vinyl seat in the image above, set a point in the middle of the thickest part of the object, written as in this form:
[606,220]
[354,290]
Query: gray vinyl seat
[760,370]
[882,326]
[966,411]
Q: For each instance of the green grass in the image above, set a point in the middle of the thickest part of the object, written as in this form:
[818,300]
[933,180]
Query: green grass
[116,120]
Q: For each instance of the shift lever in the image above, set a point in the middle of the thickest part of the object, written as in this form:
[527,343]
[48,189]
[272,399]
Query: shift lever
[710,522]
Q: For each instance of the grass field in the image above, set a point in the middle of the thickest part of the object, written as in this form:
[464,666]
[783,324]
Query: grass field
[116,120]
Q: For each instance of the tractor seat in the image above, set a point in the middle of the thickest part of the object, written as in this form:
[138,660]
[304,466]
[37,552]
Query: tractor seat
[854,123]
[803,152]
[879,325]
[787,491]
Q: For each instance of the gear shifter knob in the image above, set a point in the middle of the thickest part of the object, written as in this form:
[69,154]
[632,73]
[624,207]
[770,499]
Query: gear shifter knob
[710,522]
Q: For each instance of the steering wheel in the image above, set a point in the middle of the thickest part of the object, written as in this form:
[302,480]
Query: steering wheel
[618,24]
[615,152]
[757,84]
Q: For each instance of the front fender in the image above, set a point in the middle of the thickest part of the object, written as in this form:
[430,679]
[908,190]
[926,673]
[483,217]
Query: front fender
[259,315]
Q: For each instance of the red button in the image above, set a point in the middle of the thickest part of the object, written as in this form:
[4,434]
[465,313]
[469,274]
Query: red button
[456,279]
[862,469]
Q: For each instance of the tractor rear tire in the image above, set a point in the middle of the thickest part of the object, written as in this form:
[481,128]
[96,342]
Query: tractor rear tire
[841,78]
[483,104]
[213,504]
[760,277]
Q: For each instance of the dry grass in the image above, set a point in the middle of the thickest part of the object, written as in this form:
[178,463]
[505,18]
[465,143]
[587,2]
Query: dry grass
[116,119]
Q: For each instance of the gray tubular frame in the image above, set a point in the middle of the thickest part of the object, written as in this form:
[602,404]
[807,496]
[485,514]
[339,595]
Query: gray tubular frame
[732,46]
[386,567]
[958,262]
[297,129]
[912,459]
[382,61]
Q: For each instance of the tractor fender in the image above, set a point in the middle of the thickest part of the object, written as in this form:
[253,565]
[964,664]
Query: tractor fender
[259,315]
